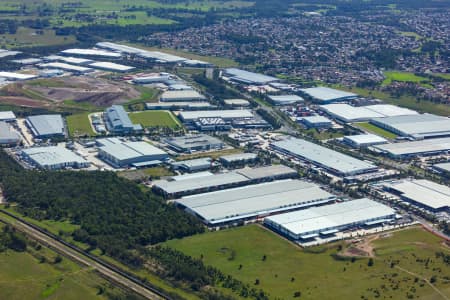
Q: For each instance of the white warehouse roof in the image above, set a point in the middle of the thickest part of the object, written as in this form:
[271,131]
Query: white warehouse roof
[285,99]
[326,94]
[255,200]
[92,52]
[348,113]
[248,77]
[416,147]
[110,66]
[46,157]
[224,114]
[66,67]
[16,76]
[334,216]
[324,157]
[365,139]
[68,59]
[416,126]
[425,192]
[182,95]
[7,116]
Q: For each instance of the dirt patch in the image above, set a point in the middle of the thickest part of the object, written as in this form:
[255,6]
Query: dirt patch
[22,101]
[361,247]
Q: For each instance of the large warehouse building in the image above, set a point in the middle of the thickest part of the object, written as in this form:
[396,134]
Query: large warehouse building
[118,122]
[416,126]
[328,95]
[213,182]
[53,158]
[349,114]
[8,136]
[254,201]
[325,221]
[193,143]
[423,193]
[125,154]
[335,162]
[46,126]
[91,52]
[181,96]
[285,99]
[364,140]
[410,149]
[246,77]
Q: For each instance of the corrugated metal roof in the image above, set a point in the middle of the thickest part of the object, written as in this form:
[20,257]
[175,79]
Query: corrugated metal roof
[46,125]
[254,200]
[250,77]
[328,94]
[53,155]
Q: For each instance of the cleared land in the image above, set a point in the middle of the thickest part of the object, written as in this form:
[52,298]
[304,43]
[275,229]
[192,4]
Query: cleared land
[143,174]
[316,271]
[79,125]
[404,77]
[376,130]
[154,119]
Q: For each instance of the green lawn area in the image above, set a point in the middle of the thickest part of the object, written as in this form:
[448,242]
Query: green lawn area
[446,76]
[405,77]
[317,274]
[79,125]
[23,276]
[376,130]
[153,118]
[142,174]
[25,37]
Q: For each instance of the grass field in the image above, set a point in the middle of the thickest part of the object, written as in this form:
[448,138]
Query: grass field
[376,130]
[79,125]
[315,272]
[25,37]
[405,77]
[142,174]
[23,276]
[154,118]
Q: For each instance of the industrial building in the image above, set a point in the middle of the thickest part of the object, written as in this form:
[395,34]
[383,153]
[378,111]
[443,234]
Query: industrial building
[7,116]
[12,76]
[284,99]
[154,78]
[238,159]
[69,59]
[443,168]
[328,95]
[119,47]
[118,122]
[8,137]
[417,127]
[364,140]
[350,114]
[410,149]
[214,182]
[194,143]
[109,66]
[422,193]
[5,53]
[217,120]
[53,158]
[129,154]
[248,203]
[198,105]
[326,221]
[236,102]
[334,162]
[66,67]
[316,122]
[246,77]
[181,96]
[193,165]
[91,52]
[46,126]
[161,57]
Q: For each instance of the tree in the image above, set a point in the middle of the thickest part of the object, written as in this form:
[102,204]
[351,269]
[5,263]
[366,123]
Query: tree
[370,262]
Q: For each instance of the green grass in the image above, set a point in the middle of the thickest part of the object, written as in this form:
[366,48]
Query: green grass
[152,118]
[410,33]
[405,77]
[143,174]
[376,130]
[147,95]
[317,275]
[446,76]
[23,276]
[79,125]
[25,37]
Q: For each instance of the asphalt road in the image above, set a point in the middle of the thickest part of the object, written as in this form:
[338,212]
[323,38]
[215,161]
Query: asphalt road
[83,259]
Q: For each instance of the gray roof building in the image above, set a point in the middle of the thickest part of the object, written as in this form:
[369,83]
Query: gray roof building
[181,95]
[118,122]
[123,154]
[364,140]
[416,126]
[46,126]
[255,201]
[415,148]
[348,113]
[7,135]
[323,221]
[325,94]
[54,158]
[193,165]
[285,99]
[247,77]
[331,160]
[195,142]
